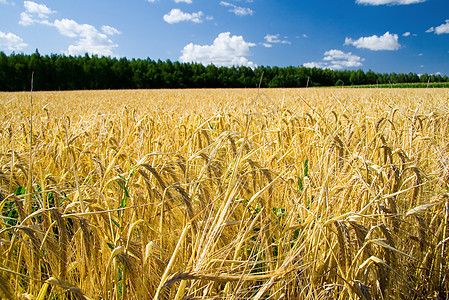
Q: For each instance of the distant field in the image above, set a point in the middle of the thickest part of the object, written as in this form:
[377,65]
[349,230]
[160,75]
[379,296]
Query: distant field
[225,194]
[408,85]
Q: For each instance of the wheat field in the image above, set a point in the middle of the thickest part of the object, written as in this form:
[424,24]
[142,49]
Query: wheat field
[225,194]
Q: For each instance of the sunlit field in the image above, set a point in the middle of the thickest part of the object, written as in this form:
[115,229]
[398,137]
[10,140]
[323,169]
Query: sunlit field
[225,194]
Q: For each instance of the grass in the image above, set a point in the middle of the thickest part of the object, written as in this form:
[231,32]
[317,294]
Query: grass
[233,194]
[406,85]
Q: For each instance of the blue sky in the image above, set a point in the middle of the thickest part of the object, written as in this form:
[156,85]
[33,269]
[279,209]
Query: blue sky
[381,35]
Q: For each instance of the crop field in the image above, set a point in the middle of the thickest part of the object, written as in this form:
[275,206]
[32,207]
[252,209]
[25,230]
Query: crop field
[225,194]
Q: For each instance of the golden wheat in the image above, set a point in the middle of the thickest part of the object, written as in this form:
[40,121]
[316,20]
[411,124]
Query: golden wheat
[233,194]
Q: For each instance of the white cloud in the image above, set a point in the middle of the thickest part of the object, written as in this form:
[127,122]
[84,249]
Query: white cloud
[35,13]
[90,40]
[72,29]
[314,65]
[109,30]
[387,41]
[226,50]
[11,42]
[176,16]
[406,33]
[40,9]
[26,19]
[337,60]
[274,39]
[443,28]
[93,45]
[151,1]
[340,59]
[389,2]
[237,10]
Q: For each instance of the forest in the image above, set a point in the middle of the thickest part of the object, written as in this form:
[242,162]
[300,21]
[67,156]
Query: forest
[60,72]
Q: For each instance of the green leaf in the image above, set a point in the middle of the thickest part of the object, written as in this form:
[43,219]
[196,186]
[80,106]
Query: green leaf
[20,191]
[12,216]
[123,187]
[120,274]
[120,290]
[110,245]
[279,212]
[300,184]
[120,282]
[115,223]
[306,167]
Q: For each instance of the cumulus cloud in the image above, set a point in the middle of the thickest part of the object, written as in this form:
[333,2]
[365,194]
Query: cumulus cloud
[109,30]
[274,39]
[88,39]
[72,29]
[237,10]
[11,42]
[35,13]
[337,60]
[443,28]
[389,2]
[226,50]
[39,9]
[176,16]
[387,41]
[314,64]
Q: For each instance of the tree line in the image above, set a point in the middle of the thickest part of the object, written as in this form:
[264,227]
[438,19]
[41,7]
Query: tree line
[60,72]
